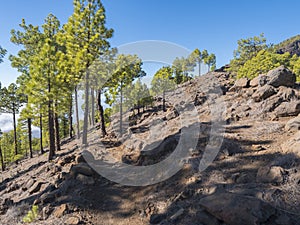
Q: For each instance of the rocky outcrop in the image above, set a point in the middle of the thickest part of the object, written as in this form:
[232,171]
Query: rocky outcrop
[81,168]
[255,82]
[240,83]
[267,174]
[293,124]
[281,76]
[288,109]
[292,145]
[263,93]
[237,209]
[287,93]
[292,47]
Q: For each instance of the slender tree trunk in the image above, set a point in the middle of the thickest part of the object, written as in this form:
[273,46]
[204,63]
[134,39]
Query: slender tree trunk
[77,113]
[87,88]
[51,131]
[1,158]
[199,62]
[41,134]
[70,117]
[93,106]
[164,101]
[86,108]
[121,111]
[29,137]
[4,155]
[56,130]
[90,120]
[101,114]
[51,125]
[26,152]
[15,131]
[65,126]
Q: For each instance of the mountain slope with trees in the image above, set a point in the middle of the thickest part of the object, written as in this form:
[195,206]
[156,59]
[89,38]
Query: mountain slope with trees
[257,164]
[240,123]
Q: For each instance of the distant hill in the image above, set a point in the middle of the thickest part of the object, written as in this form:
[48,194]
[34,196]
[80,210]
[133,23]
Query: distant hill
[291,45]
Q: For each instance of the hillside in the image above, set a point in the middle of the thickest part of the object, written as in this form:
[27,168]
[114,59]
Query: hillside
[291,45]
[230,153]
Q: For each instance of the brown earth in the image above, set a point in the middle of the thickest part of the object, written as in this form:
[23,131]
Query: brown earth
[254,178]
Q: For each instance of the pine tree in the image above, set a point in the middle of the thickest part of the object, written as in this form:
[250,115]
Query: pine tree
[101,72]
[196,58]
[30,38]
[44,71]
[10,102]
[162,82]
[87,36]
[181,67]
[26,116]
[137,95]
[127,68]
[263,62]
[247,49]
[210,61]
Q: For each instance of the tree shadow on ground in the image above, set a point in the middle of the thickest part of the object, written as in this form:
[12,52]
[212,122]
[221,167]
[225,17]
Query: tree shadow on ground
[234,173]
[237,174]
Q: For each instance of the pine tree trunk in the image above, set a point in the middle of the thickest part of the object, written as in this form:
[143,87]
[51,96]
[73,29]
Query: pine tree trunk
[121,111]
[93,106]
[86,109]
[164,101]
[51,131]
[90,120]
[71,117]
[15,131]
[41,134]
[56,130]
[65,126]
[29,137]
[1,159]
[4,156]
[77,113]
[101,113]
[199,62]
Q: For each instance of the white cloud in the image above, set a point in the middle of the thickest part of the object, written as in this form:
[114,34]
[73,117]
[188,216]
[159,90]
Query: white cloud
[6,122]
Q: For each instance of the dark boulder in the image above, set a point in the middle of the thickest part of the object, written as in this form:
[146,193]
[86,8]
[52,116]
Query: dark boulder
[263,93]
[281,76]
[288,109]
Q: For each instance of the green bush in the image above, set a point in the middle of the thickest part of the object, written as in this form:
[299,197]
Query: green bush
[31,215]
[263,62]
[17,157]
[295,64]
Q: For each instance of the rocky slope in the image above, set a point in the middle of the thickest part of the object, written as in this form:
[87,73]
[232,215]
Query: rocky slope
[291,45]
[236,144]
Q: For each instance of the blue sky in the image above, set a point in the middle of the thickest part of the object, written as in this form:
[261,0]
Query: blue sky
[215,25]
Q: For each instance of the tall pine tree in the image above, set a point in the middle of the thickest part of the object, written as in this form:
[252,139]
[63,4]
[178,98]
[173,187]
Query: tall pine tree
[87,36]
